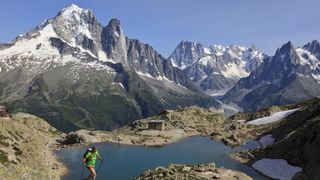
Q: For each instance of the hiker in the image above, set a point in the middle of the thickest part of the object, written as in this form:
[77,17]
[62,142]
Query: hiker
[89,159]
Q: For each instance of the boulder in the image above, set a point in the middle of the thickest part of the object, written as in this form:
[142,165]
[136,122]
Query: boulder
[80,136]
[186,169]
[74,138]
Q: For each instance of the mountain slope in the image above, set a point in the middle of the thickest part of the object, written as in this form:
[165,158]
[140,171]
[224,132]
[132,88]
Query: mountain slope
[216,68]
[75,73]
[26,148]
[290,76]
[298,140]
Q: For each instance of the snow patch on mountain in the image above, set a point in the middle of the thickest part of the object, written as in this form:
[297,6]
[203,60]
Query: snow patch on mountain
[147,75]
[306,58]
[33,45]
[235,70]
[103,57]
[207,50]
[217,93]
[72,15]
[173,64]
[32,53]
[119,84]
[266,140]
[159,78]
[316,77]
[310,61]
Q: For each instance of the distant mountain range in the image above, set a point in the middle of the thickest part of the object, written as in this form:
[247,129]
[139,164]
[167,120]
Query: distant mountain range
[217,68]
[75,72]
[290,76]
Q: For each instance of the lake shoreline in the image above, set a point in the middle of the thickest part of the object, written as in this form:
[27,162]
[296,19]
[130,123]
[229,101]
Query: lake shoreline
[235,156]
[182,124]
[232,134]
[184,162]
[64,170]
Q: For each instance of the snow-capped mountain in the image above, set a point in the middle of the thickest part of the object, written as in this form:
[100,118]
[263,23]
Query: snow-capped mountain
[75,72]
[72,36]
[216,68]
[75,33]
[309,56]
[290,76]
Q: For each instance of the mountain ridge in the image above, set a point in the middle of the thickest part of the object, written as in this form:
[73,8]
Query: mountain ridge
[217,67]
[285,78]
[56,71]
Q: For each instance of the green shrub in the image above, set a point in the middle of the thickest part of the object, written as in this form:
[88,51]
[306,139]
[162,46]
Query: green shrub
[3,157]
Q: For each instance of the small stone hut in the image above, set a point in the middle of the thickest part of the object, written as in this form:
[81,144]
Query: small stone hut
[3,111]
[156,124]
[149,124]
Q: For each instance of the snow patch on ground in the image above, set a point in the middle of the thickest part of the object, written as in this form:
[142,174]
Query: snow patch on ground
[276,168]
[229,109]
[263,141]
[273,118]
[266,140]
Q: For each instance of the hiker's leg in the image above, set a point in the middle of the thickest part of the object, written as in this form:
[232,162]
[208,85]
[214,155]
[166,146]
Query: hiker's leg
[92,172]
[89,176]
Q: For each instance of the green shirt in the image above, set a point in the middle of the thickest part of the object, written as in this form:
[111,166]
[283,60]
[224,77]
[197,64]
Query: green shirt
[91,158]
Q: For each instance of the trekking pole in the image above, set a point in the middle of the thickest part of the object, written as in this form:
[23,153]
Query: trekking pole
[82,172]
[99,168]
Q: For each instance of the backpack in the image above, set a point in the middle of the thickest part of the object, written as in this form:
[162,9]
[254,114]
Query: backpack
[87,151]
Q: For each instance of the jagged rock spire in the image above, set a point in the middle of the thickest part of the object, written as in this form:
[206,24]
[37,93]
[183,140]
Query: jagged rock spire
[113,41]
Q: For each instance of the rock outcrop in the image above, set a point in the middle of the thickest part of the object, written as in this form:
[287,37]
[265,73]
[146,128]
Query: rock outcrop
[189,121]
[202,171]
[296,140]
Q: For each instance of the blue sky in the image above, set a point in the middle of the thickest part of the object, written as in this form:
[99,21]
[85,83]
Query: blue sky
[164,23]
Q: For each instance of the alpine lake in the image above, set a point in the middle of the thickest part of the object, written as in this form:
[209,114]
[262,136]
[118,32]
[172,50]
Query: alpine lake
[122,162]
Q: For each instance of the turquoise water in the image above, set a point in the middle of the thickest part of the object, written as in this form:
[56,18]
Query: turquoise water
[126,161]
